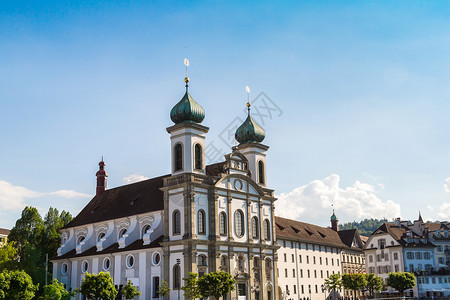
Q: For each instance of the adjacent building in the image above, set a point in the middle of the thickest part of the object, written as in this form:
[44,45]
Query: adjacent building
[3,236]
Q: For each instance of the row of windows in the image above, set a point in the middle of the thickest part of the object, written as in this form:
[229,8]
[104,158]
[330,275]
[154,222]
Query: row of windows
[308,273]
[439,279]
[178,157]
[352,259]
[419,267]
[418,255]
[313,247]
[102,234]
[303,290]
[381,257]
[239,224]
[313,259]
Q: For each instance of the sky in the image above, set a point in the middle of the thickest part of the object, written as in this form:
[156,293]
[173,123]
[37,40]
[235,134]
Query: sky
[353,96]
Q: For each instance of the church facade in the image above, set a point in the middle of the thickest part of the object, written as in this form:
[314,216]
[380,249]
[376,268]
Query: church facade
[198,218]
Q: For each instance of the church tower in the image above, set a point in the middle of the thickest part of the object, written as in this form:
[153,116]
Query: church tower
[187,136]
[250,135]
[334,222]
[101,178]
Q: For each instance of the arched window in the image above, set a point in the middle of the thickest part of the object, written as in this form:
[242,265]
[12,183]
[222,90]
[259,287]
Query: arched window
[201,222]
[198,164]
[255,233]
[239,223]
[268,262]
[176,276]
[261,172]
[241,263]
[202,260]
[100,236]
[176,225]
[266,229]
[178,156]
[145,229]
[223,223]
[223,263]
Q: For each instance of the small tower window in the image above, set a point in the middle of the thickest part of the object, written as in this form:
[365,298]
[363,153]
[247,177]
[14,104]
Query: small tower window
[266,229]
[255,233]
[261,172]
[201,222]
[178,157]
[223,223]
[198,157]
[176,222]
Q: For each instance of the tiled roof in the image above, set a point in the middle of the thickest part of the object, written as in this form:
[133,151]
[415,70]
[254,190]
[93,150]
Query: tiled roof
[347,236]
[436,226]
[286,228]
[4,231]
[114,248]
[215,169]
[132,199]
[393,229]
[364,238]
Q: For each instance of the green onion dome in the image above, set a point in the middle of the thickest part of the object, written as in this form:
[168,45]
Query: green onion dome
[249,131]
[187,110]
[333,217]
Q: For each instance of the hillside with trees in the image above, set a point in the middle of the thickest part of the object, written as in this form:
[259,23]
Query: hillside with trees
[365,227]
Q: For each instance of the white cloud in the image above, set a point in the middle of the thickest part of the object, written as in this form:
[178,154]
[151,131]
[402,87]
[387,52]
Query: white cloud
[312,202]
[444,211]
[447,185]
[12,197]
[134,178]
[430,208]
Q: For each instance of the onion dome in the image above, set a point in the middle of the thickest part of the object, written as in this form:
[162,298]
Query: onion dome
[187,110]
[249,131]
[333,217]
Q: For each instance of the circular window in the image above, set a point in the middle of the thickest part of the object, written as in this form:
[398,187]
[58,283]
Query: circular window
[106,264]
[130,261]
[64,268]
[84,266]
[238,184]
[156,258]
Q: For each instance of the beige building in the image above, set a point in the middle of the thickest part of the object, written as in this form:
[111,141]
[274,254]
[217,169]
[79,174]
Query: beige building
[3,236]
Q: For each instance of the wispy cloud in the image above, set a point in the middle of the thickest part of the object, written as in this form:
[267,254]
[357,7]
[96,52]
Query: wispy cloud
[313,202]
[13,197]
[134,178]
[444,211]
[447,185]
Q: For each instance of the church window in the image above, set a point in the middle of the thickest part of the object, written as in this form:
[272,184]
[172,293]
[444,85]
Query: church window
[223,223]
[156,258]
[198,157]
[130,261]
[201,221]
[122,233]
[84,266]
[155,287]
[239,223]
[255,233]
[178,157]
[100,236]
[145,229]
[266,229]
[268,262]
[176,276]
[176,222]
[64,268]
[261,172]
[202,260]
[106,264]
[241,266]
[223,263]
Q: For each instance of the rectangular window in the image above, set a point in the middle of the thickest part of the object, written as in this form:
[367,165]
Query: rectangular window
[418,255]
[396,268]
[293,258]
[395,255]
[300,258]
[386,257]
[155,287]
[411,268]
[307,259]
[314,260]
[293,273]
[427,255]
[285,273]
[321,274]
[309,274]
[332,261]
[378,257]
[316,289]
[381,243]
[328,274]
[295,289]
[337,261]
[370,258]
[285,257]
[433,280]
[320,260]
[301,273]
[315,273]
[303,290]
[326,261]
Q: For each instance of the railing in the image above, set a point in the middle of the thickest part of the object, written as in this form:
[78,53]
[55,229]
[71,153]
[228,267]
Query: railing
[188,177]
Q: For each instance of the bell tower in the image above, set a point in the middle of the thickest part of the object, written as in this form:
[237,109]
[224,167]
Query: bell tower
[101,178]
[187,136]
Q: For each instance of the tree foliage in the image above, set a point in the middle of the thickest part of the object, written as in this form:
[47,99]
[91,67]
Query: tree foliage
[34,237]
[164,289]
[56,291]
[401,281]
[8,256]
[129,291]
[16,285]
[216,284]
[98,286]
[334,283]
[354,282]
[365,227]
[374,284]
[191,288]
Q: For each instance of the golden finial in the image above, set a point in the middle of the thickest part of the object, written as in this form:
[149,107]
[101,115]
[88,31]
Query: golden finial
[247,89]
[186,79]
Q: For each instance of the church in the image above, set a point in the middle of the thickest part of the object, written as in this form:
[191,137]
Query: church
[199,218]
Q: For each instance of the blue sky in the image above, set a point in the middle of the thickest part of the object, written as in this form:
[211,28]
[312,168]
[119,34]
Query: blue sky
[361,87]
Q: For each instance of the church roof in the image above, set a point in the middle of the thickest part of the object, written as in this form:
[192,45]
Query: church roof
[123,201]
[308,233]
[114,248]
[4,231]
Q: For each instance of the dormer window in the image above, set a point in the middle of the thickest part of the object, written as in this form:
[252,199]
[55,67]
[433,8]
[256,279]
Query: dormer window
[80,239]
[122,233]
[100,236]
[145,229]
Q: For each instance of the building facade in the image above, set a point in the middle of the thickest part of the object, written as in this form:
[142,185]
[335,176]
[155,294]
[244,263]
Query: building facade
[3,236]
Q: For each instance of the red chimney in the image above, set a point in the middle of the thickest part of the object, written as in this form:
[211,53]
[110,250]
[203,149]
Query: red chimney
[101,178]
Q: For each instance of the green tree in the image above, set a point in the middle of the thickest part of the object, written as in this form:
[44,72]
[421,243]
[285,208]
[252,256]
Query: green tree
[216,284]
[16,285]
[129,291]
[354,282]
[164,289]
[334,283]
[191,288]
[8,256]
[98,287]
[374,284]
[56,291]
[401,281]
